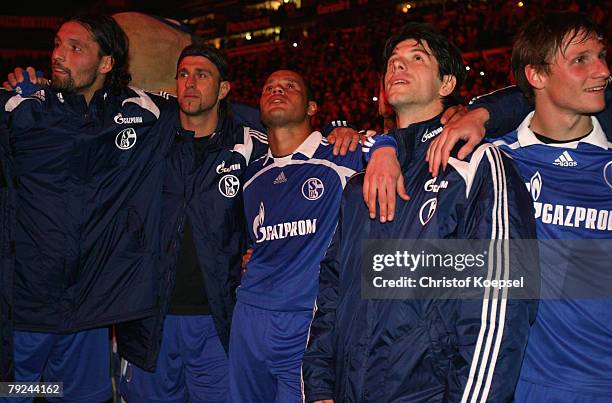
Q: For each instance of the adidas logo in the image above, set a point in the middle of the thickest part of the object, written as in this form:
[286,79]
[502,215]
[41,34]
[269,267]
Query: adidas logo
[565,160]
[281,178]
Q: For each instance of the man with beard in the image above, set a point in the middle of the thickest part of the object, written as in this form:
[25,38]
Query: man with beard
[87,159]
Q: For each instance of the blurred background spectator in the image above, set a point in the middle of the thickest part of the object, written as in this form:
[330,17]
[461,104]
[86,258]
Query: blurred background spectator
[335,44]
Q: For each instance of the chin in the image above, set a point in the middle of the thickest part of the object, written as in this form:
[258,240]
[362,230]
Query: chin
[593,108]
[274,119]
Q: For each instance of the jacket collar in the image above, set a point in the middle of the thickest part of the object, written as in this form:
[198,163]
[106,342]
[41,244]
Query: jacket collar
[307,148]
[414,140]
[99,102]
[527,138]
[422,133]
[215,139]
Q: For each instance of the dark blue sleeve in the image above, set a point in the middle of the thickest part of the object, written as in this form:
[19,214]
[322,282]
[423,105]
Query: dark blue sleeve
[245,115]
[318,363]
[377,141]
[507,108]
[492,332]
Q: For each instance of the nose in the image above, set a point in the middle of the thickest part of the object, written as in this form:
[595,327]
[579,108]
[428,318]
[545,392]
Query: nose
[58,54]
[602,70]
[277,89]
[190,81]
[397,65]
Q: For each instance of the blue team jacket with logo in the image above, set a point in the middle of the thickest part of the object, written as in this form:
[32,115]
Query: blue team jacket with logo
[210,196]
[367,350]
[570,344]
[88,183]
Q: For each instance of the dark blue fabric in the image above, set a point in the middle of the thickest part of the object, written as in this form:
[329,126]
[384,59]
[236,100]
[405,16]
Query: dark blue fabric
[199,192]
[266,355]
[192,366]
[419,350]
[7,247]
[89,181]
[79,360]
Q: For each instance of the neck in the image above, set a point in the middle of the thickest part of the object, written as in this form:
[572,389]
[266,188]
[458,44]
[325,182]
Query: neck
[203,124]
[88,94]
[89,91]
[284,140]
[409,114]
[559,126]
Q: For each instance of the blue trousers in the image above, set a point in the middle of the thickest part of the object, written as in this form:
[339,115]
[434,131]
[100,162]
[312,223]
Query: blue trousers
[266,351]
[192,365]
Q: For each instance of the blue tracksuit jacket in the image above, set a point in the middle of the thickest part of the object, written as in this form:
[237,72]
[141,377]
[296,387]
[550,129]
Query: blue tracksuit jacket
[367,350]
[210,195]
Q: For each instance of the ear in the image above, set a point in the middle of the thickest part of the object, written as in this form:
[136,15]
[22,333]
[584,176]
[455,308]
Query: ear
[106,64]
[312,108]
[224,89]
[448,85]
[536,77]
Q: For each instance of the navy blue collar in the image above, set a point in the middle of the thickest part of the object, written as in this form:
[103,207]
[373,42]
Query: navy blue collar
[414,140]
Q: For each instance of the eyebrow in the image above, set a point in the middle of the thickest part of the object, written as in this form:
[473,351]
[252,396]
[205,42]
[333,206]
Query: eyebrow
[419,49]
[416,49]
[285,80]
[71,41]
[599,51]
[197,70]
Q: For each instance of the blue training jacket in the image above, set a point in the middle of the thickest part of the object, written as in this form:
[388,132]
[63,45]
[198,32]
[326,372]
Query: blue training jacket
[210,196]
[434,350]
[88,209]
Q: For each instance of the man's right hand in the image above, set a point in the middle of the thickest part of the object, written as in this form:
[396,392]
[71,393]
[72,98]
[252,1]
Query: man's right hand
[324,401]
[467,126]
[382,183]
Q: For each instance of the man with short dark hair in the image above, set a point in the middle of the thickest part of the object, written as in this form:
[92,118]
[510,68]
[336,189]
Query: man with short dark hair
[422,350]
[291,196]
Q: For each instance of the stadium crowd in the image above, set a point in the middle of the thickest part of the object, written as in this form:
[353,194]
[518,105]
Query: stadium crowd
[343,64]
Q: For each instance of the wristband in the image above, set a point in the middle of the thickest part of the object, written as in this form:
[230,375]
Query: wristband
[328,128]
[378,141]
[27,87]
